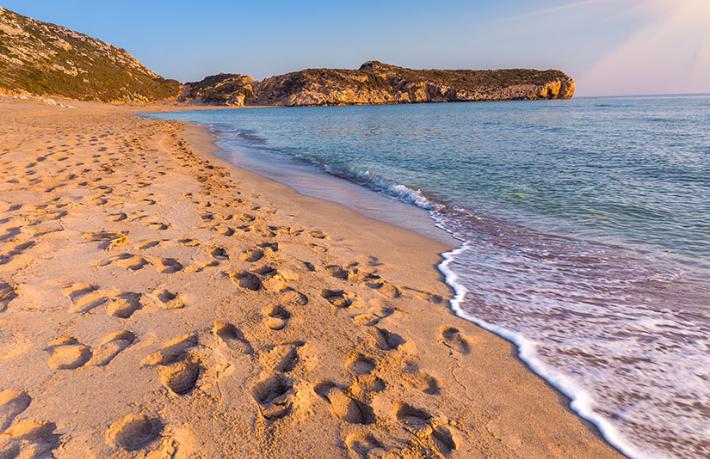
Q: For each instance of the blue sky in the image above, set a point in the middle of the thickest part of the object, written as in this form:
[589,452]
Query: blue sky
[608,46]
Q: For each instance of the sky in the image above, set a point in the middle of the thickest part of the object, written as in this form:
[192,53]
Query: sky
[610,47]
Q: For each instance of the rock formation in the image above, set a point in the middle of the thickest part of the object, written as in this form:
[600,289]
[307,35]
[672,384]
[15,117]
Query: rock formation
[223,89]
[378,83]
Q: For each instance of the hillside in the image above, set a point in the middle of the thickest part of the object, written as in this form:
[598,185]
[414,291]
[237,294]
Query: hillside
[47,59]
[378,83]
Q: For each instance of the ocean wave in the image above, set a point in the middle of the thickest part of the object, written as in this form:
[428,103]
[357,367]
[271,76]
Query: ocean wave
[362,177]
[581,401]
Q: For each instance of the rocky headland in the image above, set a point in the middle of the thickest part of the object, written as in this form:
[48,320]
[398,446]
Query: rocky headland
[222,89]
[378,83]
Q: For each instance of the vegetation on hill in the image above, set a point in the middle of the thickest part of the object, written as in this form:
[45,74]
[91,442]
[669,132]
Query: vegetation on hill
[47,59]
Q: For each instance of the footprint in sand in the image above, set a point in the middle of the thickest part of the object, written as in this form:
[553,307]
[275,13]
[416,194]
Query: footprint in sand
[410,416]
[178,371]
[247,218]
[166,299]
[318,248]
[365,445]
[151,243]
[386,340]
[246,280]
[118,217]
[276,317]
[108,240]
[10,233]
[198,267]
[224,230]
[318,234]
[453,339]
[84,297]
[274,280]
[360,364]
[274,396]
[7,294]
[29,439]
[343,405]
[111,345]
[310,267]
[337,271]
[442,440]
[128,261]
[415,378]
[269,247]
[219,253]
[374,281]
[390,291]
[171,352]
[337,298]
[373,316]
[187,242]
[281,357]
[156,224]
[364,376]
[134,432]
[423,424]
[12,403]
[292,297]
[251,255]
[424,295]
[16,251]
[180,377]
[66,353]
[256,254]
[167,265]
[123,305]
[232,337]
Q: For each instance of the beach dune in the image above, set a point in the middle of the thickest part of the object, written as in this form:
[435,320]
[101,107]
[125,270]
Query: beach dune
[156,301]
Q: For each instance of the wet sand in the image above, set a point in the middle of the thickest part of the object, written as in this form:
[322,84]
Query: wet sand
[157,301]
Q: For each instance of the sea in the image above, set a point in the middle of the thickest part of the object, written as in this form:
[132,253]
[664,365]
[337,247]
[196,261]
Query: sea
[581,229]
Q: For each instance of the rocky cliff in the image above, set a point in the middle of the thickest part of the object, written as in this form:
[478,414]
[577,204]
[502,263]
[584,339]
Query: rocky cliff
[223,89]
[47,59]
[378,83]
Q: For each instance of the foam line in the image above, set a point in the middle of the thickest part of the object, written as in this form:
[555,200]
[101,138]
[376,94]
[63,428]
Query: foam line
[580,400]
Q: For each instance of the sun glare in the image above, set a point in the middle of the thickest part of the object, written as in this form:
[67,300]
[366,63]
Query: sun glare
[670,51]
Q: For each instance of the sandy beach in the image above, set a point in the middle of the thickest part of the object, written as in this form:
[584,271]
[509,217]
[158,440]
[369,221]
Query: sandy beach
[156,301]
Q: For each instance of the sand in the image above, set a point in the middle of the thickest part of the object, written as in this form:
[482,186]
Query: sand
[156,301]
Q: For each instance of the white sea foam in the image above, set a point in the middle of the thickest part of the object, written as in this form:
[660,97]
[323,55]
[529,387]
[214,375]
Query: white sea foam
[412,196]
[581,402]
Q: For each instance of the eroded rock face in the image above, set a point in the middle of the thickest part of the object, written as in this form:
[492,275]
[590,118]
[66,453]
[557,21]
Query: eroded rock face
[377,83]
[223,89]
[46,59]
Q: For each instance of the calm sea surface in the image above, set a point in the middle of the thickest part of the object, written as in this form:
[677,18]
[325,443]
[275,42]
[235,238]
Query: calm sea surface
[584,231]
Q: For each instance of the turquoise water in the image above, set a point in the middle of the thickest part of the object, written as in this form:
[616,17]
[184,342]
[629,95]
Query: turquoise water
[584,229]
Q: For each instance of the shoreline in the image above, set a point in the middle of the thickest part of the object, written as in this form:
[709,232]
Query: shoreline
[577,399]
[577,405]
[596,379]
[368,356]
